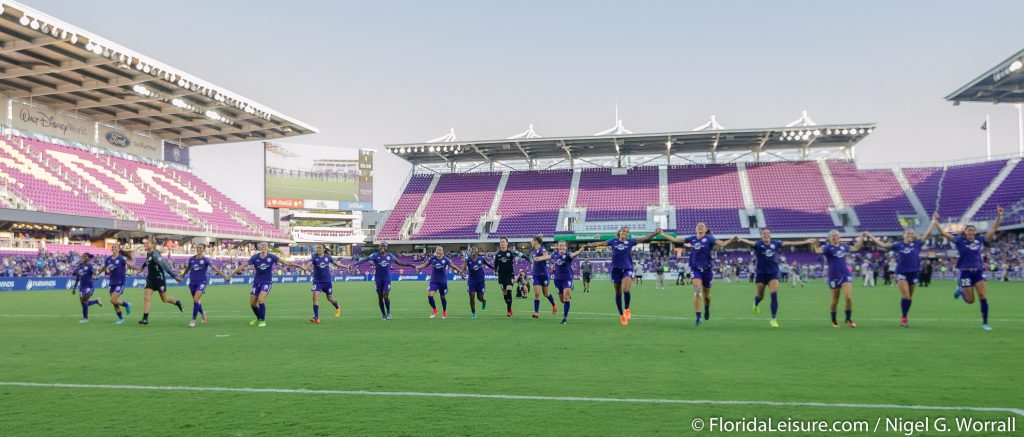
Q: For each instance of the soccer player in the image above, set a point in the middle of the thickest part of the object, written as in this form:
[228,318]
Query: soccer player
[622,267]
[323,281]
[839,277]
[263,278]
[476,281]
[156,279]
[198,267]
[766,251]
[505,263]
[586,272]
[439,280]
[382,262]
[540,276]
[972,273]
[701,266]
[562,259]
[908,265]
[83,286]
[117,266]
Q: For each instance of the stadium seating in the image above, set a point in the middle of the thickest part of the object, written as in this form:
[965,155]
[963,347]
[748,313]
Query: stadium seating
[709,193]
[925,182]
[1010,193]
[625,197]
[874,194]
[406,206]
[522,212]
[46,191]
[456,205]
[962,184]
[792,195]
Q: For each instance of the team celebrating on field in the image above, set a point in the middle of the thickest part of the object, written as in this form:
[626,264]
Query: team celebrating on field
[545,261]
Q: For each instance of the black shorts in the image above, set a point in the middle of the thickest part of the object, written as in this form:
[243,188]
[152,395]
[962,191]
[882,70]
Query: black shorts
[586,277]
[506,280]
[156,284]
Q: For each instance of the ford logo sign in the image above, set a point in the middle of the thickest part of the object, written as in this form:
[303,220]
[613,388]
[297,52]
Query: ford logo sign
[118,139]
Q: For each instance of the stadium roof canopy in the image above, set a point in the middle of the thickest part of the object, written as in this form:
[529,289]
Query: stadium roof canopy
[50,62]
[1003,83]
[709,142]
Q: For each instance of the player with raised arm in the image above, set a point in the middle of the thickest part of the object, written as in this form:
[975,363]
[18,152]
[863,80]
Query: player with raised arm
[198,268]
[908,265]
[702,266]
[562,259]
[117,265]
[84,286]
[323,281]
[476,280]
[382,261]
[156,279]
[540,276]
[839,276]
[622,267]
[969,246]
[439,264]
[505,267]
[263,278]
[766,252]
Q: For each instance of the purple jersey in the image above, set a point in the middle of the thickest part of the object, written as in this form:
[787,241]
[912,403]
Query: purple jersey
[381,265]
[767,256]
[835,256]
[700,251]
[970,252]
[322,268]
[439,268]
[475,269]
[908,256]
[197,269]
[117,266]
[83,274]
[264,266]
[563,265]
[622,253]
[540,268]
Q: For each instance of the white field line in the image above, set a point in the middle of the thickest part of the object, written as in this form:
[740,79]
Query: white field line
[1017,411]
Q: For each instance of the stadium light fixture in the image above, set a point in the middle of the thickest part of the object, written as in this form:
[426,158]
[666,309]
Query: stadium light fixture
[1016,65]
[34,25]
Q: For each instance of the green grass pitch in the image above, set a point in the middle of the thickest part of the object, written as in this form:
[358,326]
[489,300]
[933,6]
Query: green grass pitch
[944,359]
[310,189]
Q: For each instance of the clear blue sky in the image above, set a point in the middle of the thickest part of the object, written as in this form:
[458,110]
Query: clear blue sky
[370,73]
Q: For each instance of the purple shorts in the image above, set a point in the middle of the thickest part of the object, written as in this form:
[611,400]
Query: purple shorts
[260,287]
[970,278]
[834,283]
[475,286]
[325,287]
[383,286]
[706,276]
[765,278]
[563,284]
[618,274]
[86,291]
[438,286]
[117,289]
[910,277]
[197,287]
[541,280]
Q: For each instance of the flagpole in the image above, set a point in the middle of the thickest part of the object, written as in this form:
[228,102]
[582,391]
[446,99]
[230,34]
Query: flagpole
[988,138]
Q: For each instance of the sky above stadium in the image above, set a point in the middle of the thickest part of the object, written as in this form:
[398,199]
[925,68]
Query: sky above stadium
[372,73]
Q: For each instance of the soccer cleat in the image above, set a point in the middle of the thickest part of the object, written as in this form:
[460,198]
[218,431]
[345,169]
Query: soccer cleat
[383,317]
[83,321]
[707,314]
[433,313]
[536,315]
[757,309]
[629,316]
[180,308]
[835,324]
[986,327]
[262,324]
[119,322]
[904,323]
[444,314]
[508,314]
[564,321]
[314,321]
[958,294]
[127,308]
[204,318]
[773,323]
[623,320]
[99,303]
[554,309]
[850,323]
[192,323]
[484,306]
[389,316]
[144,322]
[254,322]
[473,316]
[696,324]
[337,312]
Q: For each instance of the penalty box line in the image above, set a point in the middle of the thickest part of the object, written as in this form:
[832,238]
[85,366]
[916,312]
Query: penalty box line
[1017,411]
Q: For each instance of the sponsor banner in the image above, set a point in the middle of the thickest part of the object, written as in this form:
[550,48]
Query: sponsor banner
[52,124]
[320,204]
[175,153]
[66,283]
[129,142]
[277,202]
[600,237]
[356,206]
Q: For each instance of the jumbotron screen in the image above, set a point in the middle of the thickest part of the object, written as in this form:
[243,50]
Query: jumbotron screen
[318,177]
